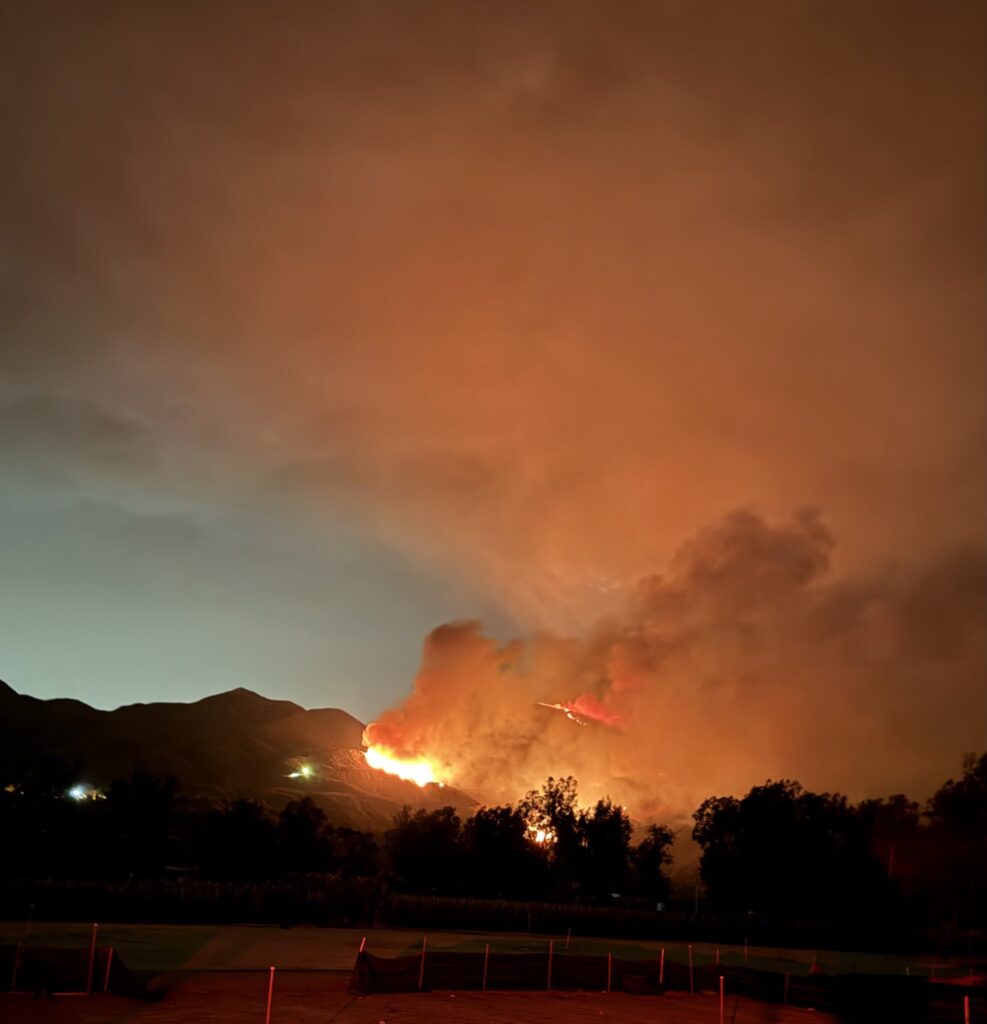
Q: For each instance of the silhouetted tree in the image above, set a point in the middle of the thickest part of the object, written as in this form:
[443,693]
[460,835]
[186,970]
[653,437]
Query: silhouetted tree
[784,851]
[648,859]
[500,857]
[552,814]
[355,853]
[39,825]
[424,849]
[960,807]
[955,890]
[240,842]
[138,813]
[606,837]
[304,837]
[891,827]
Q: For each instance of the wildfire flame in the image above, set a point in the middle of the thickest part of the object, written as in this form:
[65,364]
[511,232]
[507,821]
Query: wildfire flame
[421,772]
[540,835]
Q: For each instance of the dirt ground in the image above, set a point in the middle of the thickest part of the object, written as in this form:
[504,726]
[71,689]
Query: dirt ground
[231,997]
[218,974]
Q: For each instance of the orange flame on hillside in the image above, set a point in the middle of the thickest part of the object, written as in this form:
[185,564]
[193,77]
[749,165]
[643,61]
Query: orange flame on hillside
[420,771]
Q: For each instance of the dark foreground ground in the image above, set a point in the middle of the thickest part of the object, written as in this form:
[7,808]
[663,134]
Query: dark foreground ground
[219,974]
[234,996]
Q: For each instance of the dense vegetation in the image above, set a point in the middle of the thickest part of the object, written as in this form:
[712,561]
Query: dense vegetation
[783,852]
[780,853]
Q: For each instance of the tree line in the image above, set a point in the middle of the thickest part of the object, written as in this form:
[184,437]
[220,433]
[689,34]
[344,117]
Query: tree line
[779,852]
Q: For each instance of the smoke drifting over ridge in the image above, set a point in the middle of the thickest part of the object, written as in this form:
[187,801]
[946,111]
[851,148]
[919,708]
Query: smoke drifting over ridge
[744,661]
[323,325]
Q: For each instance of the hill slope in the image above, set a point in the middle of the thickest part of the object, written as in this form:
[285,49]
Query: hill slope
[227,746]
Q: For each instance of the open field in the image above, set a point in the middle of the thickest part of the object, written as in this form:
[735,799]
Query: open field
[156,949]
[218,974]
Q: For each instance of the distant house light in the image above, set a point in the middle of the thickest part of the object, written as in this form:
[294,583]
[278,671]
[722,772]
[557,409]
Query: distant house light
[84,791]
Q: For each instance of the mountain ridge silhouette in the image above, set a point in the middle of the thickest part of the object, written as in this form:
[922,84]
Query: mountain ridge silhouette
[232,745]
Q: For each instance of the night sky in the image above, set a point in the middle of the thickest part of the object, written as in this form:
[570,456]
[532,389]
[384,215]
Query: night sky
[324,324]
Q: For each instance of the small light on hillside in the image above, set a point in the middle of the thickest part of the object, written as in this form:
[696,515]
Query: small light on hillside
[83,791]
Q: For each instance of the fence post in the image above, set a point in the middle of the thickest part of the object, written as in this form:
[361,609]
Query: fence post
[692,990]
[92,960]
[486,965]
[661,967]
[270,995]
[109,964]
[551,950]
[966,1010]
[363,944]
[421,971]
[609,970]
[17,964]
[721,999]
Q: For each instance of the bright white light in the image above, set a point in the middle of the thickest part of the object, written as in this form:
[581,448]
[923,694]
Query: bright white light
[79,792]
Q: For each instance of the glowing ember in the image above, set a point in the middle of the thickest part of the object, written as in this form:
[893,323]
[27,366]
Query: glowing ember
[420,772]
[540,835]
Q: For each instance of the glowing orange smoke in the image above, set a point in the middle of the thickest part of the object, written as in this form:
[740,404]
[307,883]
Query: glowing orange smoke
[421,771]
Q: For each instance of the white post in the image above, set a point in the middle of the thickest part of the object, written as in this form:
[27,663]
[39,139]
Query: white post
[486,965]
[92,960]
[551,950]
[966,1010]
[609,970]
[109,964]
[692,990]
[363,944]
[721,999]
[270,996]
[421,972]
[661,967]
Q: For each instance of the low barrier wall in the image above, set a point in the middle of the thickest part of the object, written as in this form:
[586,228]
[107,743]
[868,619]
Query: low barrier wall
[851,997]
[56,971]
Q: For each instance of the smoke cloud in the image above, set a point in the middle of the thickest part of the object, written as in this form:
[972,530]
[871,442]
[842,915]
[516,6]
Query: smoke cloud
[745,661]
[404,309]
